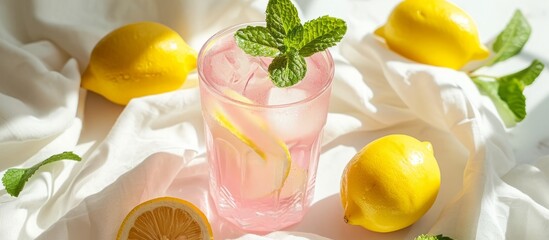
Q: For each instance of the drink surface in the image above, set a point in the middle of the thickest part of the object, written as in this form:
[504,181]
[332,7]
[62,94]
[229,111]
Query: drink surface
[227,67]
[263,142]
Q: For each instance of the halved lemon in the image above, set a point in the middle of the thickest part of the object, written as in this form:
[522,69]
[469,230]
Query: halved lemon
[165,218]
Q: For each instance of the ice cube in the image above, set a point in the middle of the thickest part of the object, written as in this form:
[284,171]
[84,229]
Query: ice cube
[299,124]
[258,84]
[279,96]
[289,123]
[229,66]
[296,122]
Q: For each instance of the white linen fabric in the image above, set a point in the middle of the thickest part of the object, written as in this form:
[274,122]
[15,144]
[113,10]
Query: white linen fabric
[154,146]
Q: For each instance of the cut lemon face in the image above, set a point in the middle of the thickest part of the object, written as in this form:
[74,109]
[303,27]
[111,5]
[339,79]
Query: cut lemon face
[165,218]
[270,160]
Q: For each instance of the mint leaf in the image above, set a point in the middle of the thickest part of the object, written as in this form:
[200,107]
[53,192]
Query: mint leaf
[511,40]
[320,34]
[432,237]
[510,91]
[13,182]
[15,178]
[506,92]
[257,41]
[294,38]
[281,18]
[287,69]
[527,75]
[289,42]
[490,88]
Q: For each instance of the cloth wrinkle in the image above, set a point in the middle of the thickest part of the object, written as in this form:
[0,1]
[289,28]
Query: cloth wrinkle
[156,147]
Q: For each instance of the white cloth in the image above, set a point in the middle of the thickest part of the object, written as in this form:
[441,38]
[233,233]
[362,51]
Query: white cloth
[493,179]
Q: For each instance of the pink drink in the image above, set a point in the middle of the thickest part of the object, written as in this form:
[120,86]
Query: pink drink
[263,142]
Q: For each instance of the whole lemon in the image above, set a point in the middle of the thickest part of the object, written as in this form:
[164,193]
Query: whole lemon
[390,183]
[136,60]
[434,32]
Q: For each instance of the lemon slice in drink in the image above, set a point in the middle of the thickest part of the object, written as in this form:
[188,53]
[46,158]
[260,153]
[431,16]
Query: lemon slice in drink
[270,159]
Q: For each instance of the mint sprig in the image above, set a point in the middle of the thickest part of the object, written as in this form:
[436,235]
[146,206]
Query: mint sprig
[506,92]
[15,178]
[288,41]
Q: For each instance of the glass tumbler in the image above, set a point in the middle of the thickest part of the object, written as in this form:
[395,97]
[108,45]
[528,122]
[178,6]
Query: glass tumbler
[263,142]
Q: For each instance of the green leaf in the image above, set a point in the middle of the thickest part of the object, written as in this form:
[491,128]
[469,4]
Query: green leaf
[294,38]
[528,75]
[490,88]
[511,40]
[281,18]
[15,178]
[432,237]
[506,92]
[321,33]
[257,41]
[13,182]
[287,69]
[510,91]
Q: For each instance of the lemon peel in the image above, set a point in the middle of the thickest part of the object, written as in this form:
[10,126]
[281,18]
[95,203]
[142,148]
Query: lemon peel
[390,183]
[136,60]
[434,32]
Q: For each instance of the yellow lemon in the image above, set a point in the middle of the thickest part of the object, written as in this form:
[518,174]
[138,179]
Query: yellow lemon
[434,32]
[165,218]
[137,60]
[390,183]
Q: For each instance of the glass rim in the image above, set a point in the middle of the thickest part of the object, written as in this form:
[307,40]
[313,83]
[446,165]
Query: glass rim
[327,56]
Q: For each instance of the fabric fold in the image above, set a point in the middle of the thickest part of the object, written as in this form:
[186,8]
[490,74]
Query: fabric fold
[156,145]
